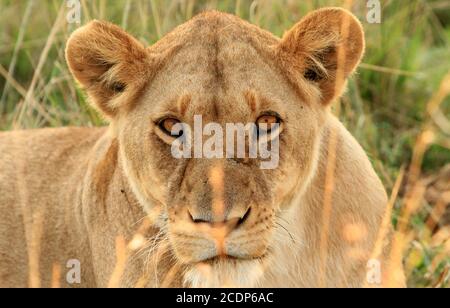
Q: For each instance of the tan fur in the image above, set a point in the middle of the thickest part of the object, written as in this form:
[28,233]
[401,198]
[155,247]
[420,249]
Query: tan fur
[70,193]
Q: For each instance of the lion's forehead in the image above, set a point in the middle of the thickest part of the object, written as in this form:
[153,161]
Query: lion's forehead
[219,58]
[224,73]
[215,45]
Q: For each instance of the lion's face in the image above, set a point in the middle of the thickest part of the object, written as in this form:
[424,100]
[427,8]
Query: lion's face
[220,208]
[220,212]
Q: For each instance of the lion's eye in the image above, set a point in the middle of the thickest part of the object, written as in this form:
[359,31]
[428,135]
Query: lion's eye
[167,126]
[266,123]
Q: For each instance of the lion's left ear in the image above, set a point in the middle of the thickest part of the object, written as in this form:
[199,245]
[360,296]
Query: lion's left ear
[109,63]
[325,47]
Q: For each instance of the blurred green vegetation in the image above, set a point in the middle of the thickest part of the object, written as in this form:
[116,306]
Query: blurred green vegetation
[408,55]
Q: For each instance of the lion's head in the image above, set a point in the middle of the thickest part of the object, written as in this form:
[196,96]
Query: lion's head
[218,211]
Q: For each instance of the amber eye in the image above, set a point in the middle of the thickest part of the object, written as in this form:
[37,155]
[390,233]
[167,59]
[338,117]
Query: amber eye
[269,120]
[266,122]
[167,125]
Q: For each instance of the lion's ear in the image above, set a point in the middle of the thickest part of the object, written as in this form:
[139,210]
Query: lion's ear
[325,47]
[109,63]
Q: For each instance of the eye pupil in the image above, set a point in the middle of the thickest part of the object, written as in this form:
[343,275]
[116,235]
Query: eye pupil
[167,126]
[266,122]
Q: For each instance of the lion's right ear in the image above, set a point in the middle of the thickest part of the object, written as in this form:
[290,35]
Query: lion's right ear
[325,48]
[110,64]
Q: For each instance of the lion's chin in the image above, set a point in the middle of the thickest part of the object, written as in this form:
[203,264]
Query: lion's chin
[225,273]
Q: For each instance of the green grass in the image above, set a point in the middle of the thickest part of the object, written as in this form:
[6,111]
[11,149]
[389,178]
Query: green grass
[385,107]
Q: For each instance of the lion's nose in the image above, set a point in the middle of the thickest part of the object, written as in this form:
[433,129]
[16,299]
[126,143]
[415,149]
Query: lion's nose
[233,221]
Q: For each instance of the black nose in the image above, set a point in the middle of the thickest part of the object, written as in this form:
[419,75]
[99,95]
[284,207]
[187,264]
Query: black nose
[208,218]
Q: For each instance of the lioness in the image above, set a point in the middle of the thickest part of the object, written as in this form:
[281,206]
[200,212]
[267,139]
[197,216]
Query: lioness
[116,199]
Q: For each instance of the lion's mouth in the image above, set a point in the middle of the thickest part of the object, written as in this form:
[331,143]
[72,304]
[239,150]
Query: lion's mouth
[226,271]
[232,258]
[217,259]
